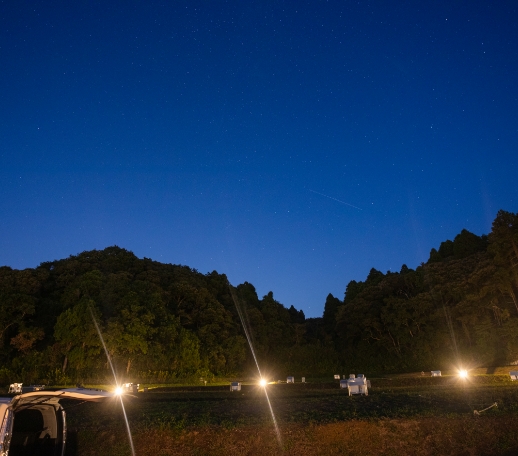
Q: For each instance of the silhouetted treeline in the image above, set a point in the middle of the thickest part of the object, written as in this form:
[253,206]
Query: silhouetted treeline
[459,308]
[163,322]
[159,321]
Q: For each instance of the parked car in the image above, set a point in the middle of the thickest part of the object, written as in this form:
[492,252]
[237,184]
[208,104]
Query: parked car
[235,386]
[35,422]
[30,388]
[129,388]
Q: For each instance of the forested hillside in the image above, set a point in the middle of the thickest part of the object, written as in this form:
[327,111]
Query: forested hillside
[164,322]
[459,308]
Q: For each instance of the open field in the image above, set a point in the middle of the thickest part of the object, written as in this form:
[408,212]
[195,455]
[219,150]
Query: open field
[400,416]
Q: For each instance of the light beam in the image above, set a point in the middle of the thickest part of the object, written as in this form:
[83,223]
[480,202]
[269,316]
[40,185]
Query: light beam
[248,338]
[118,389]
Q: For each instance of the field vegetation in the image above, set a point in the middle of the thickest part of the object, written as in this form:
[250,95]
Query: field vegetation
[401,415]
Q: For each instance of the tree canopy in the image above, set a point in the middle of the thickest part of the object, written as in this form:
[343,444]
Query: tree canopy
[162,322]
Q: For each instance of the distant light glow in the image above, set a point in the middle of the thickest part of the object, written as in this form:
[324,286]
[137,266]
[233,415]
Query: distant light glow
[263,382]
[118,391]
[463,373]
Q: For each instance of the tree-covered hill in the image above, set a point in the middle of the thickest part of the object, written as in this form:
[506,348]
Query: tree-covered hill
[163,322]
[459,308]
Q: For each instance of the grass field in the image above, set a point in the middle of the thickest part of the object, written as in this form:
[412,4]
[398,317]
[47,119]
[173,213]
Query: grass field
[401,416]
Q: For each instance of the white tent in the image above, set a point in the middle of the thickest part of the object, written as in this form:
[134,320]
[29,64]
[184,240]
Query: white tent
[356,385]
[15,388]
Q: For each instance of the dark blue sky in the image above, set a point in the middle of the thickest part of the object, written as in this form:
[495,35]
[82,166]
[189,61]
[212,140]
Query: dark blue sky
[294,145]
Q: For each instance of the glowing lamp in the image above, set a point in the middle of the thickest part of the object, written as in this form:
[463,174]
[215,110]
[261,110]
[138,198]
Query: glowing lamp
[263,382]
[463,373]
[118,391]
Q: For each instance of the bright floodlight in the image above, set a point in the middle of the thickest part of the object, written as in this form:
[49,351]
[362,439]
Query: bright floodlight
[118,391]
[463,373]
[263,382]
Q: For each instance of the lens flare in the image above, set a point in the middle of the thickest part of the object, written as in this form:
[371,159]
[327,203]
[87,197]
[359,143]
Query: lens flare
[463,373]
[249,339]
[130,438]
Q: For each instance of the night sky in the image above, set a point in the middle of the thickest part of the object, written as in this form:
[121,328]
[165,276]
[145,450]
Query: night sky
[291,144]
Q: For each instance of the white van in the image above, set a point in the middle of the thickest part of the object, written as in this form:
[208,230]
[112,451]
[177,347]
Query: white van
[34,423]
